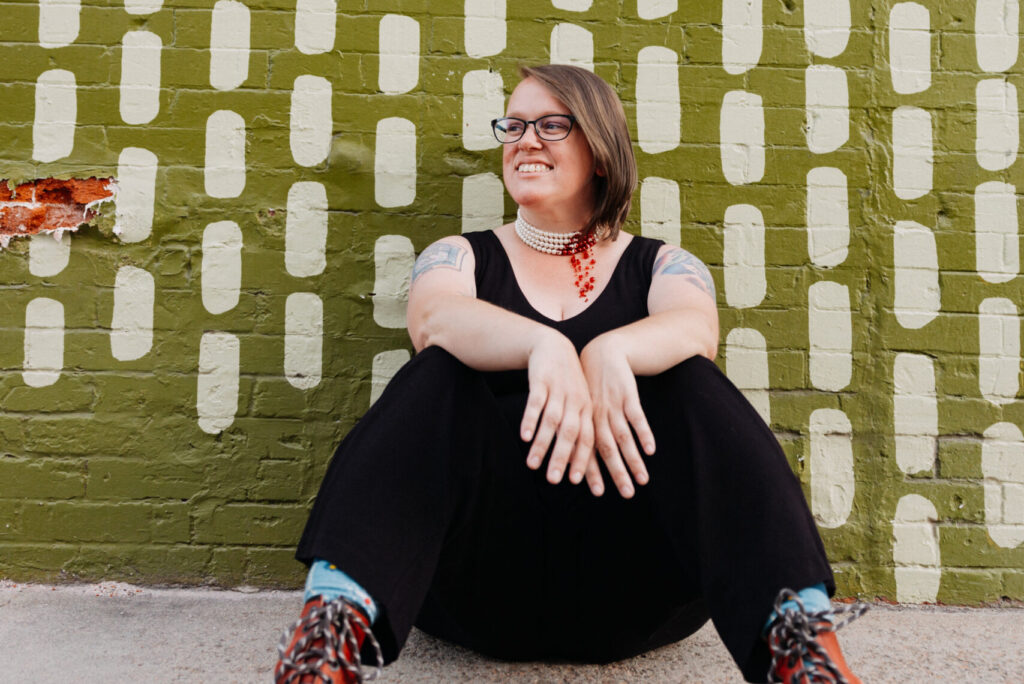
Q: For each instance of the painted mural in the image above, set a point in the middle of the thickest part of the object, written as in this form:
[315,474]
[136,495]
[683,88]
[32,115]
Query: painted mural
[175,373]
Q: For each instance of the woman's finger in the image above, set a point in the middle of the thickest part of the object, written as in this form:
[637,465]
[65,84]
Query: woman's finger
[565,441]
[594,478]
[627,447]
[549,422]
[609,450]
[635,416]
[531,414]
[584,452]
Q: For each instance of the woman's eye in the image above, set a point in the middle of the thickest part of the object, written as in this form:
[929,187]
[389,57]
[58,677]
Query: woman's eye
[553,126]
[513,127]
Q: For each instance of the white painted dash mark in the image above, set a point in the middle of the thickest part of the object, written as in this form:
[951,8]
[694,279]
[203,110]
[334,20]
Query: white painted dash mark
[224,171]
[222,266]
[743,255]
[56,115]
[140,77]
[483,202]
[303,339]
[315,22]
[131,326]
[1002,467]
[136,194]
[311,123]
[658,108]
[915,550]
[830,333]
[395,162]
[742,135]
[741,35]
[399,66]
[393,258]
[997,242]
[916,275]
[305,231]
[485,27]
[999,350]
[44,342]
[59,22]
[229,45]
[833,485]
[746,364]
[218,381]
[915,413]
[660,210]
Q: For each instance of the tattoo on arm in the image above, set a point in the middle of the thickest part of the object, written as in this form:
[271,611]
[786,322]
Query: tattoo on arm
[439,255]
[680,262]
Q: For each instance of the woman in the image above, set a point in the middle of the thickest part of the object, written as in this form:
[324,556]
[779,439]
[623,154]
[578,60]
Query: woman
[587,353]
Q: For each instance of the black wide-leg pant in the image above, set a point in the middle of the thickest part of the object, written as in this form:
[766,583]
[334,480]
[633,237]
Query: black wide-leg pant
[429,505]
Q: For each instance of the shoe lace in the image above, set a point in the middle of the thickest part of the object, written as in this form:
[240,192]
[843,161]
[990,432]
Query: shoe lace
[793,640]
[332,624]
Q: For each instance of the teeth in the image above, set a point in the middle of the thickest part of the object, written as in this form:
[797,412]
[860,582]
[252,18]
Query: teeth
[533,168]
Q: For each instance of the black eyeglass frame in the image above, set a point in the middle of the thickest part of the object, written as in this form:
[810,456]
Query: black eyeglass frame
[526,125]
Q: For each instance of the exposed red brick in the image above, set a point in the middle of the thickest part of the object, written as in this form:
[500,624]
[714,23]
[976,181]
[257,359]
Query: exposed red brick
[25,192]
[50,204]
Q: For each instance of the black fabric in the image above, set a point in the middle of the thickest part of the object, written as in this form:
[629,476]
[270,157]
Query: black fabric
[428,504]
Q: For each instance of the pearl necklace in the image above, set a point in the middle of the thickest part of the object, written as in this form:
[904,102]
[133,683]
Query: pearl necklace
[577,246]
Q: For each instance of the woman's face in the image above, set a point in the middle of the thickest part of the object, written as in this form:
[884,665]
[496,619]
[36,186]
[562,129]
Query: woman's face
[544,176]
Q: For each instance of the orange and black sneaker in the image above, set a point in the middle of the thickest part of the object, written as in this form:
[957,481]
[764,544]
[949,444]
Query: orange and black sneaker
[804,645]
[324,645]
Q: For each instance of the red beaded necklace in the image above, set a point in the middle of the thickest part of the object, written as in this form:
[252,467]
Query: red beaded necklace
[577,246]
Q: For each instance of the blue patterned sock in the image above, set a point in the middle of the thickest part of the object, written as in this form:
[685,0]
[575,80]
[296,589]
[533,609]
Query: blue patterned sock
[815,599]
[327,580]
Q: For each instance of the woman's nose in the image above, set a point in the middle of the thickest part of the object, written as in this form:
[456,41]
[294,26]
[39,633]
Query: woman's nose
[530,137]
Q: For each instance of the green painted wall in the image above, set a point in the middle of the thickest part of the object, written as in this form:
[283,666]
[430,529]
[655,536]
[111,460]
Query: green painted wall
[118,462]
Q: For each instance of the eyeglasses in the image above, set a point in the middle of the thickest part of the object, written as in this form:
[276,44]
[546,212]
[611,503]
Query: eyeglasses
[552,127]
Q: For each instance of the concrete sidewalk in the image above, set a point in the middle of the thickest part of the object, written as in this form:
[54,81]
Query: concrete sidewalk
[114,632]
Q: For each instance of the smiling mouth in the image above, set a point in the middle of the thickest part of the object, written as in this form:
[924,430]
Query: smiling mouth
[533,168]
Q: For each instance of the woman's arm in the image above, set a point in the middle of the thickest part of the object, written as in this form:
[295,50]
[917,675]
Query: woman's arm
[444,311]
[683,322]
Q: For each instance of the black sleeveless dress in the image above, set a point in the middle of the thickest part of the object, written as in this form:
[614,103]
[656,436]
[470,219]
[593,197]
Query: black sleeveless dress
[429,505]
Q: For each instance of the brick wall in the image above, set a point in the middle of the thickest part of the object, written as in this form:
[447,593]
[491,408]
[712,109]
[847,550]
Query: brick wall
[175,375]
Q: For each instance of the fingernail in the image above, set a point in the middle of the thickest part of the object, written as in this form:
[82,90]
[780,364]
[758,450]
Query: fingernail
[641,478]
[627,492]
[649,448]
[555,475]
[533,462]
[527,435]
[575,477]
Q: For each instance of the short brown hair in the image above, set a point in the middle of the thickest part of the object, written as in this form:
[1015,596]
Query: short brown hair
[602,120]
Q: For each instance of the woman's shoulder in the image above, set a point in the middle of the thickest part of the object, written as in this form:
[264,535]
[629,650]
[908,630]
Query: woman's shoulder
[643,250]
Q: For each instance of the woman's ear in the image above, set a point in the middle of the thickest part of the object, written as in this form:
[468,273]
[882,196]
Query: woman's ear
[599,170]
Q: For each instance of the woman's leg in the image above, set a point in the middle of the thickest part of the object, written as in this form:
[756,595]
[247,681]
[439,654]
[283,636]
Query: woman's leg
[730,503]
[433,459]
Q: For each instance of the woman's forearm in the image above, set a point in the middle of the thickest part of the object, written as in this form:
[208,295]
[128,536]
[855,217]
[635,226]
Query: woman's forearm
[662,340]
[481,335]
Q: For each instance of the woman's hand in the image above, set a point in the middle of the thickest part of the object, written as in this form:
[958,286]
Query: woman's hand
[558,408]
[616,407]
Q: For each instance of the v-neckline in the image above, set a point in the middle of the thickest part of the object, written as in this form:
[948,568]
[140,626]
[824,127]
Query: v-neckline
[522,295]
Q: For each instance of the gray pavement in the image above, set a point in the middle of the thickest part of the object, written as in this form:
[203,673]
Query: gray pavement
[113,632]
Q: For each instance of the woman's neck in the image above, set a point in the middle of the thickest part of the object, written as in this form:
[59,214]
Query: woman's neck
[552,222]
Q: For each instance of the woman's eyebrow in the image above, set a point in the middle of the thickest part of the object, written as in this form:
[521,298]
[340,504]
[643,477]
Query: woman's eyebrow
[520,115]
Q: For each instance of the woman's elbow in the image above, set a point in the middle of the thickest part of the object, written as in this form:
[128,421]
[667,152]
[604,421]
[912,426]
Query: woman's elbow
[421,322]
[710,347]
